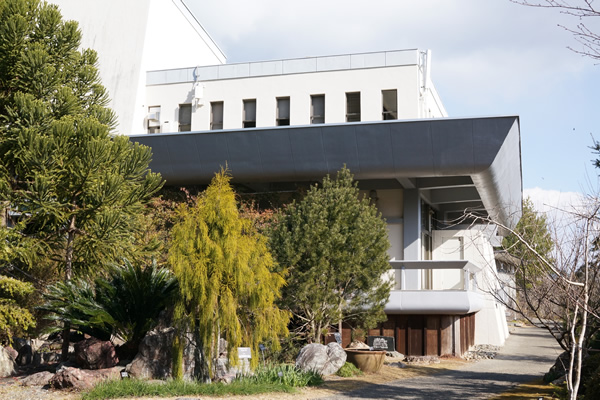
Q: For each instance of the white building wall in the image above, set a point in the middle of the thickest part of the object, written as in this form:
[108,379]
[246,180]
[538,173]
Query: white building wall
[134,36]
[490,321]
[390,203]
[299,87]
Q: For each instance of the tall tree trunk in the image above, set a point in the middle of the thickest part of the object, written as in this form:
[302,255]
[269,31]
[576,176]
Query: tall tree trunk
[201,371]
[68,275]
[584,315]
[341,317]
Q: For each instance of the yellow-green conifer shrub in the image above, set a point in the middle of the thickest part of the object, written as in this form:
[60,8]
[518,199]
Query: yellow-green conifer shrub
[226,276]
[13,317]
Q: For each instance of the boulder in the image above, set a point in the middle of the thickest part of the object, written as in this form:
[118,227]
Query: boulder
[7,365]
[359,346]
[397,356]
[45,358]
[19,342]
[324,360]
[82,379]
[72,378]
[559,369]
[12,353]
[224,371]
[39,379]
[95,354]
[155,356]
[25,356]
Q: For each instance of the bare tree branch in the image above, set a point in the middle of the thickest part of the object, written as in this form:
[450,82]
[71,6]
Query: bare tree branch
[581,9]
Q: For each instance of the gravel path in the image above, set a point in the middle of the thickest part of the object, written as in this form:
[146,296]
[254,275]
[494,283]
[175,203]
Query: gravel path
[528,354]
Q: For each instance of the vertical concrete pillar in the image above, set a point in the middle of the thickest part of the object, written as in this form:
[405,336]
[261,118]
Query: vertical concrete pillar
[412,236]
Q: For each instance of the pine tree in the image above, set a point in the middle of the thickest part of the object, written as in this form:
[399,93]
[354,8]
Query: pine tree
[78,189]
[334,245]
[533,228]
[226,277]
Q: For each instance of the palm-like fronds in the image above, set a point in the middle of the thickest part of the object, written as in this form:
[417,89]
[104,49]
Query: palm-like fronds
[124,304]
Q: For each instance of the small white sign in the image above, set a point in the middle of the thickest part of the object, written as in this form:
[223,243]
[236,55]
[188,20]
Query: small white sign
[244,352]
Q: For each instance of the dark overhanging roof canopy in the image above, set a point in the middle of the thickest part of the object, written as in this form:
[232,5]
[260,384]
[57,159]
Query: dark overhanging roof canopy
[456,163]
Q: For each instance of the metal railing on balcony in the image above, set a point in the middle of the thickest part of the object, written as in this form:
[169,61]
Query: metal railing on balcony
[427,275]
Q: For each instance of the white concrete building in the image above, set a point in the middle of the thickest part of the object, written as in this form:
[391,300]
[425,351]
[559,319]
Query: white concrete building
[135,36]
[333,89]
[279,124]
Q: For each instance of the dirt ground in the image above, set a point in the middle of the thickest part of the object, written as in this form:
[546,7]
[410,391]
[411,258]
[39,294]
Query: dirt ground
[11,389]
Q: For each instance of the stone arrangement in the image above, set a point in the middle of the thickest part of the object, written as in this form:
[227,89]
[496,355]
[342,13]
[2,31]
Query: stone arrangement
[325,360]
[481,352]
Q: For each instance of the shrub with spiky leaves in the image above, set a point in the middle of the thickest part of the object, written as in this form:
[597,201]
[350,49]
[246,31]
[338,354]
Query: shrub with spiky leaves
[125,304]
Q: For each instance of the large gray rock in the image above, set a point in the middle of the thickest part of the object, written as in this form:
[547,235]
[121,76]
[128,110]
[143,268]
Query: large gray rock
[324,360]
[95,354]
[82,379]
[38,379]
[45,358]
[12,353]
[155,356]
[25,356]
[75,378]
[7,365]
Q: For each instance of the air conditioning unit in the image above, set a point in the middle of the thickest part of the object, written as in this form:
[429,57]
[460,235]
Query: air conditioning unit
[153,119]
[155,116]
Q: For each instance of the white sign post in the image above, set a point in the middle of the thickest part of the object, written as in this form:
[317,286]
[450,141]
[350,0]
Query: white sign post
[244,352]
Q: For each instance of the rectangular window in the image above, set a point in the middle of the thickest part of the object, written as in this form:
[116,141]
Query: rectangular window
[153,119]
[185,117]
[353,107]
[389,98]
[216,115]
[283,111]
[249,113]
[317,109]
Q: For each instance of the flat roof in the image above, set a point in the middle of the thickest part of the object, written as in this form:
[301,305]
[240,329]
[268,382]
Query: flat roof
[459,162]
[284,67]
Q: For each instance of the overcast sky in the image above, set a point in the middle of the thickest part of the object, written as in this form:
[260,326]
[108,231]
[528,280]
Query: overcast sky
[489,57]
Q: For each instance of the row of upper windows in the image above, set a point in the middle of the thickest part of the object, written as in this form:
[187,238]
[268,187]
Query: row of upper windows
[282,116]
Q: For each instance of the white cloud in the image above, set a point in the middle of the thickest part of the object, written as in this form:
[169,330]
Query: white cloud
[554,202]
[489,58]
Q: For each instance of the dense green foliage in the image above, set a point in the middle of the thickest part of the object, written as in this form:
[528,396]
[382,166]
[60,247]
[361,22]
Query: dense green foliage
[334,245]
[79,190]
[533,228]
[228,284]
[137,388]
[13,317]
[76,190]
[349,370]
[124,304]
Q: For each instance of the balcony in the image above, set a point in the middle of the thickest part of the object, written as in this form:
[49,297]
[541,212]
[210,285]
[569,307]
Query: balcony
[434,287]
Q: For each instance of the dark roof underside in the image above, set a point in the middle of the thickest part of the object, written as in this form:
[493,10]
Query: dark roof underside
[470,163]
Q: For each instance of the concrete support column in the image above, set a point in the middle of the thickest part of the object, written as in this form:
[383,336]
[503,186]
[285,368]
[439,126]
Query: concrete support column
[412,236]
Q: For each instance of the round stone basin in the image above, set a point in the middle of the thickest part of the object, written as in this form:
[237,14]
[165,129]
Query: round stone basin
[367,361]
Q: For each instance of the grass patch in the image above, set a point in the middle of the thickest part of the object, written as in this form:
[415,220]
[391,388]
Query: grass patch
[349,370]
[284,374]
[532,390]
[268,379]
[139,388]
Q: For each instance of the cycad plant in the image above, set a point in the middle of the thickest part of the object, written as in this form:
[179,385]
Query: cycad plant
[124,304]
